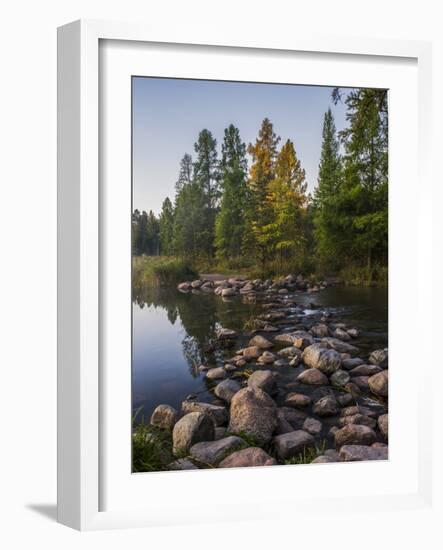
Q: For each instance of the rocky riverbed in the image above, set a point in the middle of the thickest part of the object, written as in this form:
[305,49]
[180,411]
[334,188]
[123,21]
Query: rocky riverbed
[298,389]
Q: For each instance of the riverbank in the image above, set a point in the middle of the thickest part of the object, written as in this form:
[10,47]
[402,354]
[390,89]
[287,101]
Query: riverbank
[294,386]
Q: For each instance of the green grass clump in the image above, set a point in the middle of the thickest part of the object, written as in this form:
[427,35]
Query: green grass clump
[157,271]
[151,449]
[307,455]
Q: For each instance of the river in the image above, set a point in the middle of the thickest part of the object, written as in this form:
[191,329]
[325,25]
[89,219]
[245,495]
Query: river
[172,335]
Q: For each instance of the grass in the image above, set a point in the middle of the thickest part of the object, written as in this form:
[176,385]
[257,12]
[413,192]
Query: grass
[377,275]
[308,454]
[161,271]
[151,447]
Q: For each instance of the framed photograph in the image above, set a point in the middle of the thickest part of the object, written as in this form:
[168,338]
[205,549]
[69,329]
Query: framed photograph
[232,316]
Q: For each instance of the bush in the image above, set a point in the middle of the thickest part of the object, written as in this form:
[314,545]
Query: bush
[161,271]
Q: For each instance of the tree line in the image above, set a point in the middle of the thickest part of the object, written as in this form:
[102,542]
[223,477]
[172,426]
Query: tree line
[250,206]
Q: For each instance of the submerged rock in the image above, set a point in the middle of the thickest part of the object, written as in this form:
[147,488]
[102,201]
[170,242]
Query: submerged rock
[253,413]
[190,429]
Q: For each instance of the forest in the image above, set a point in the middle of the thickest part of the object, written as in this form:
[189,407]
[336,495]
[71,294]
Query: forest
[246,207]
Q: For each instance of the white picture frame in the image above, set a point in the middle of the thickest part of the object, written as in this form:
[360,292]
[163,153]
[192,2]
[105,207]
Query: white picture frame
[82,207]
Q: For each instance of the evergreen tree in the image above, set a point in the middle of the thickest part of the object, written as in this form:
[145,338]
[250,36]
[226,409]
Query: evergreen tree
[230,221]
[185,173]
[166,223]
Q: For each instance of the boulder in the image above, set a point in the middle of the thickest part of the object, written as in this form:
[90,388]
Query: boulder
[251,456]
[264,380]
[378,383]
[339,345]
[251,352]
[253,413]
[326,406]
[184,287]
[197,283]
[266,358]
[299,339]
[297,400]
[361,382]
[261,342]
[312,426]
[349,364]
[365,370]
[226,334]
[341,334]
[216,373]
[228,292]
[227,389]
[218,414]
[321,330]
[340,378]
[290,352]
[292,444]
[383,424]
[358,419]
[182,464]
[350,453]
[164,416]
[379,357]
[326,360]
[190,429]
[323,459]
[212,452]
[313,377]
[220,432]
[354,434]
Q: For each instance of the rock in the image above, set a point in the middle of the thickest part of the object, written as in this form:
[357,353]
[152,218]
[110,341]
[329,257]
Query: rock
[184,287]
[326,360]
[321,330]
[341,334]
[345,399]
[281,363]
[293,443]
[326,406]
[182,464]
[297,400]
[254,413]
[353,332]
[261,342]
[218,414]
[226,334]
[379,357]
[350,453]
[349,364]
[190,429]
[212,452]
[252,352]
[295,361]
[283,291]
[264,380]
[354,434]
[197,283]
[365,370]
[383,424]
[340,378]
[220,432]
[164,416]
[339,345]
[216,373]
[227,389]
[361,382]
[266,358]
[299,339]
[294,417]
[323,459]
[358,419]
[378,383]
[313,377]
[312,426]
[251,456]
[228,292]
[290,352]
[332,453]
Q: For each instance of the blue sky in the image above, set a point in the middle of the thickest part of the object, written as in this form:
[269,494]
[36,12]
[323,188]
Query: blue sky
[168,114]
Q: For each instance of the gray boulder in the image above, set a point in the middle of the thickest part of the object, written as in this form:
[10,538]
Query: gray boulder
[351,363]
[379,357]
[261,342]
[313,377]
[351,453]
[216,373]
[326,360]
[251,352]
[312,426]
[300,339]
[354,434]
[365,370]
[297,400]
[190,429]
[291,444]
[326,406]
[339,345]
[212,452]
[321,330]
[253,413]
[264,380]
[340,378]
[383,424]
[182,464]
[227,389]
[378,383]
[218,414]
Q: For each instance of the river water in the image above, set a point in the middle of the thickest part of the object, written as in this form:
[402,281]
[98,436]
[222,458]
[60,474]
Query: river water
[172,335]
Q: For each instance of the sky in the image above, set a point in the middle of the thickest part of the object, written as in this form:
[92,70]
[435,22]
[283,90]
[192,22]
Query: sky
[168,115]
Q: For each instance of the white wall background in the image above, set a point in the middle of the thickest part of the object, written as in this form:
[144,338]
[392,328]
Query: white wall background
[28,251]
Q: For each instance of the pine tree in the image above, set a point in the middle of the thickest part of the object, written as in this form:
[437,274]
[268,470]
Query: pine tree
[166,222]
[230,221]
[185,173]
